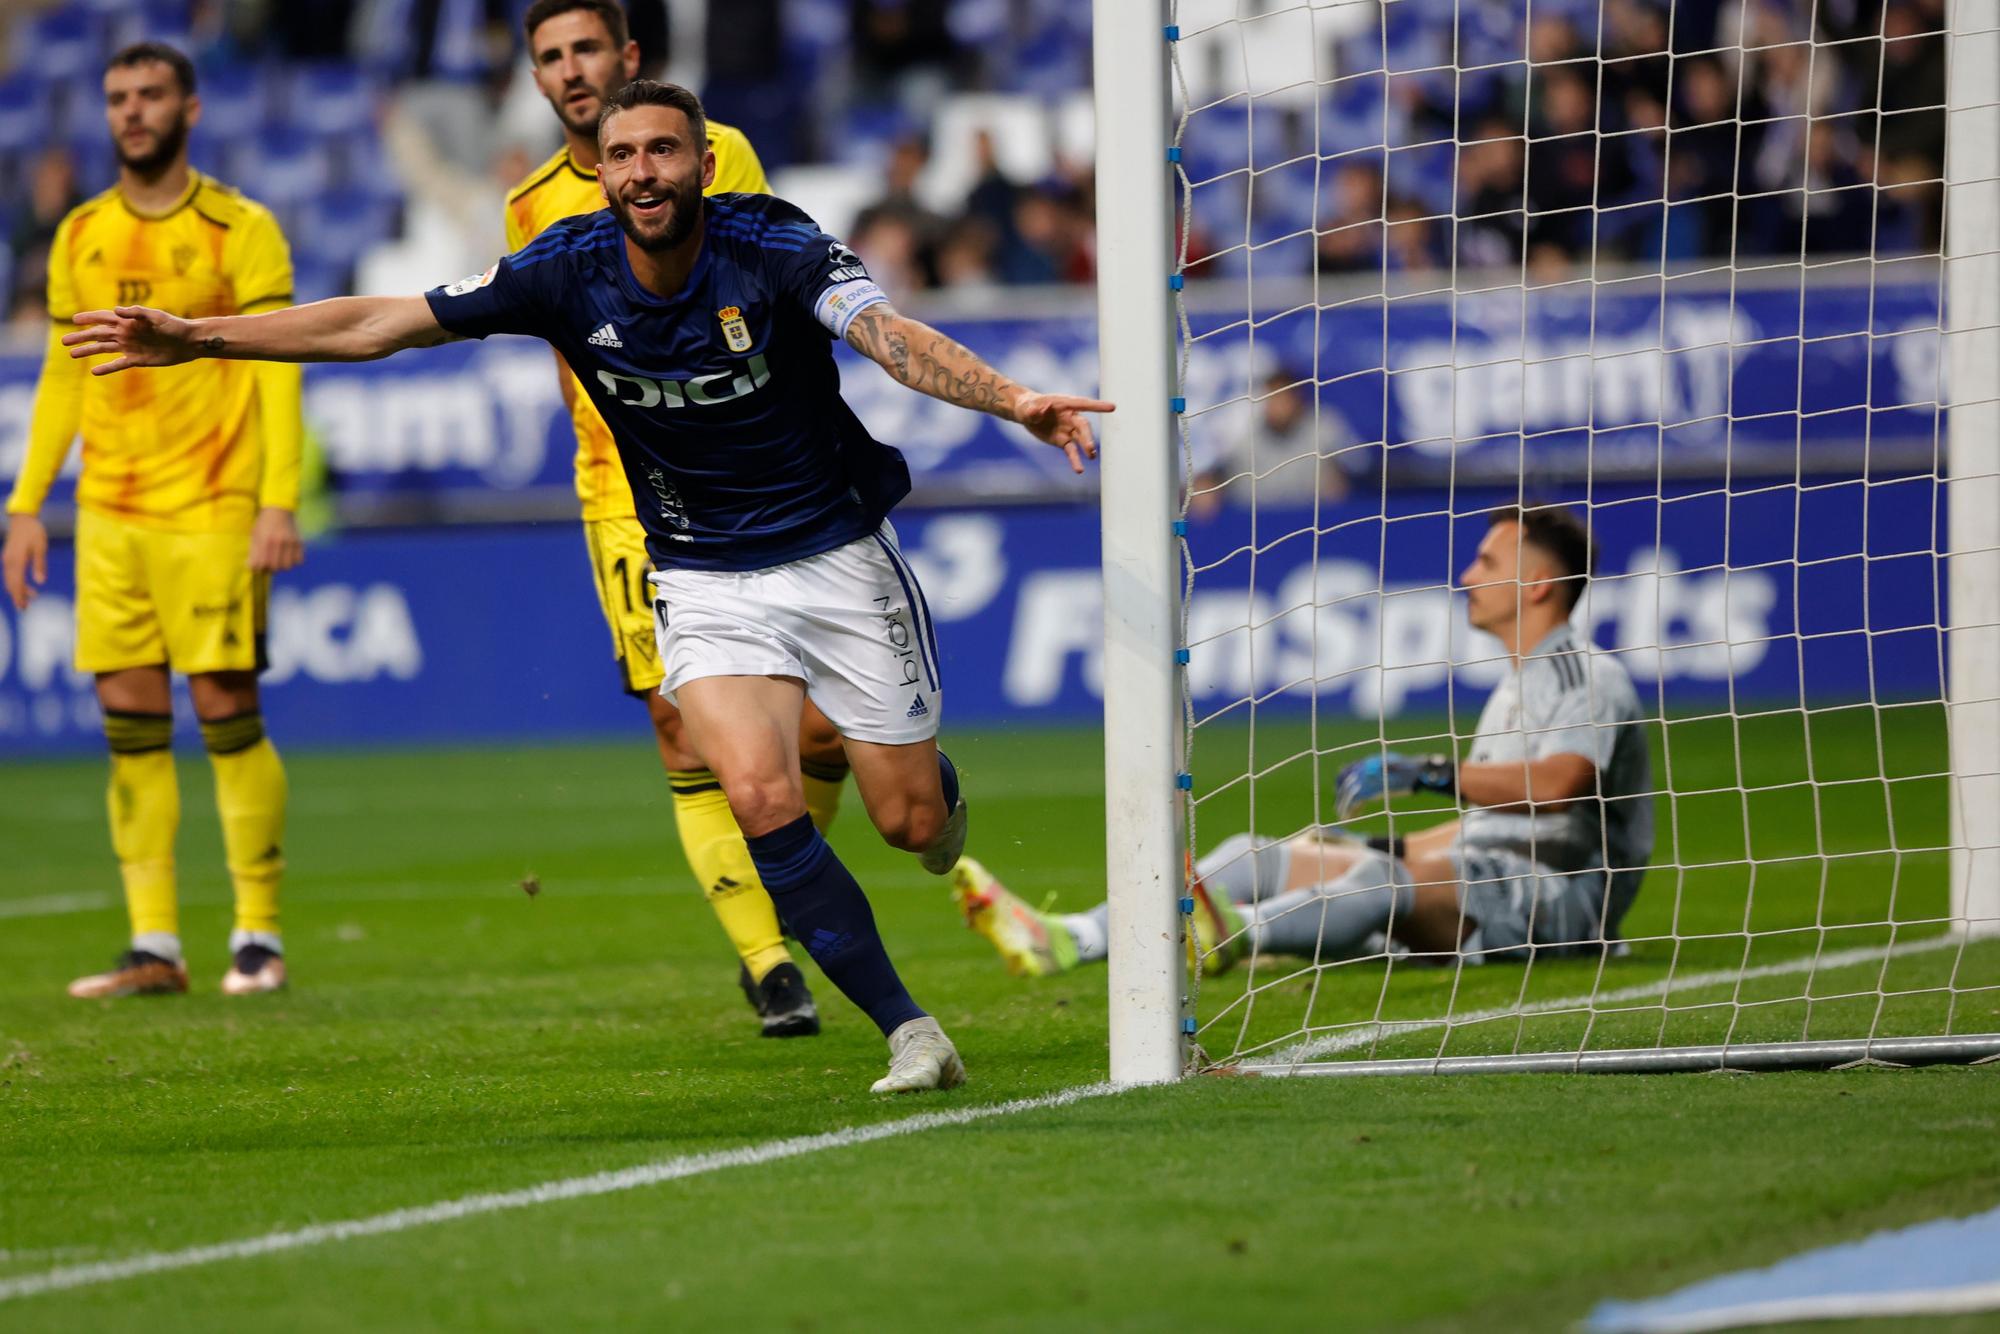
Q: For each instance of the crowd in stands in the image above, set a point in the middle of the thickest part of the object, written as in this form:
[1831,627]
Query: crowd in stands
[383,132]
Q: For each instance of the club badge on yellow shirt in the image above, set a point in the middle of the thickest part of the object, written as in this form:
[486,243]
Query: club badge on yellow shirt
[734,331]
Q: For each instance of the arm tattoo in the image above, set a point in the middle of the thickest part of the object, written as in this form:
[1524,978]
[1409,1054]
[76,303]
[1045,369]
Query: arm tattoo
[940,366]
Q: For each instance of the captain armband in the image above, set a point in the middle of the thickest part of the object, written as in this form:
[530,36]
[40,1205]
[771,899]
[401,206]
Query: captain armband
[838,305]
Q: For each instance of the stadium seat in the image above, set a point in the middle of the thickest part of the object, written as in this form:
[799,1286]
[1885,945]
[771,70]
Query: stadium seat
[281,168]
[340,226]
[313,279]
[25,119]
[60,45]
[331,99]
[235,100]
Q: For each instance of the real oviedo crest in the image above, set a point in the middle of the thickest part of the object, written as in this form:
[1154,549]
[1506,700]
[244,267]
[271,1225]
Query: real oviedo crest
[734,331]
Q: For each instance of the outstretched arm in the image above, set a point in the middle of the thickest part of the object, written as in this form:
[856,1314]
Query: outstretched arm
[347,328]
[926,360]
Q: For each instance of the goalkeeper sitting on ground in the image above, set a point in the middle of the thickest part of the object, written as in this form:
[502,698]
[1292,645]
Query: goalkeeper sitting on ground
[1557,798]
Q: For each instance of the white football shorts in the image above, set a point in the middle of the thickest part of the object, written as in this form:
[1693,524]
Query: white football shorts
[851,623]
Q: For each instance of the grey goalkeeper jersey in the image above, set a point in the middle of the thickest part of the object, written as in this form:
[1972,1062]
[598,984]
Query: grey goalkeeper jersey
[1567,699]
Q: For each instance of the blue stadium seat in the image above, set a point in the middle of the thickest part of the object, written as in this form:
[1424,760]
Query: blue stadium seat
[25,117]
[60,45]
[235,100]
[96,163]
[330,99]
[282,167]
[313,279]
[1353,116]
[340,226]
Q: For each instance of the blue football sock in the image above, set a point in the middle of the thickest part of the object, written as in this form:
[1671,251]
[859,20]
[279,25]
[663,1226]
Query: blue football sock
[948,776]
[825,910]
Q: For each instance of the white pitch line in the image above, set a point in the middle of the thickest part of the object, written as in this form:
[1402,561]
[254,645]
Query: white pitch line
[1301,1052]
[549,1192]
[54,905]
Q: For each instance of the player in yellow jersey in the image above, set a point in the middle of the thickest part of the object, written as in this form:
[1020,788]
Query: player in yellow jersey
[581,52]
[184,511]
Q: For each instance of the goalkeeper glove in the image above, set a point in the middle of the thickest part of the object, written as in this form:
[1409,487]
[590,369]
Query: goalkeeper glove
[1392,773]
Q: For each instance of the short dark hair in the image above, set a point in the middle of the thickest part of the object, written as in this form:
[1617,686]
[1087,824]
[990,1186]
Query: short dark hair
[646,93]
[147,53]
[610,11]
[1556,530]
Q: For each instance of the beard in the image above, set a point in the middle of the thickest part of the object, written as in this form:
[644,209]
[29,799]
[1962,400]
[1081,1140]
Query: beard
[681,218]
[577,122]
[164,151]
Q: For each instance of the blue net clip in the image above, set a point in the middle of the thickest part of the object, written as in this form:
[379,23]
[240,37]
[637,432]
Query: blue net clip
[1181,656]
[1187,1025]
[1180,527]
[1177,404]
[1174,154]
[1173,32]
[1176,282]
[1187,906]
[1185,782]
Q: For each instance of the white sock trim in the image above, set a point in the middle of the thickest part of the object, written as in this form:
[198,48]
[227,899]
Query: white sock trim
[164,944]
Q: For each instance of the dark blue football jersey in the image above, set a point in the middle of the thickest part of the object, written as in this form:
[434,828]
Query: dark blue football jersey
[724,400]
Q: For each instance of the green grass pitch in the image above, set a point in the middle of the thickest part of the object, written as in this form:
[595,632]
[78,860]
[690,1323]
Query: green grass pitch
[448,1035]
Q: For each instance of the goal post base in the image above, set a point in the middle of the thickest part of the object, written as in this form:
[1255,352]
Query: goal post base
[1968,1049]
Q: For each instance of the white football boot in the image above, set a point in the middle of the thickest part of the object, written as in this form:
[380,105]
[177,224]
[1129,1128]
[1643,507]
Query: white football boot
[921,1057]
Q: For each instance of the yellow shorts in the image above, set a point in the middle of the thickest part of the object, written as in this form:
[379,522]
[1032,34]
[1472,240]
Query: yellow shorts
[619,566]
[145,597]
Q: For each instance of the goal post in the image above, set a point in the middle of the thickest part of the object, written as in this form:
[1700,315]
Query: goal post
[1972,340]
[1371,271]
[1141,594]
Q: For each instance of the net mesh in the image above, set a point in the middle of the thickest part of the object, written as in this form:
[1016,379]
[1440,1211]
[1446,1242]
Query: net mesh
[1685,278]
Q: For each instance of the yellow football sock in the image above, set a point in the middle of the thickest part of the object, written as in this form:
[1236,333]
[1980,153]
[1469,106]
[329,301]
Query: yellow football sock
[145,803]
[250,797]
[824,784]
[721,862]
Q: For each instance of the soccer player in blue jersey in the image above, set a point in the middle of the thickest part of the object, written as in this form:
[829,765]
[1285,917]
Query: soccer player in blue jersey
[701,330]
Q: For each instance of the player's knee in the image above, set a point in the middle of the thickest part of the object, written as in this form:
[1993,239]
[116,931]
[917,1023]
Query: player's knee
[909,826]
[671,731]
[761,804]
[819,742]
[223,694]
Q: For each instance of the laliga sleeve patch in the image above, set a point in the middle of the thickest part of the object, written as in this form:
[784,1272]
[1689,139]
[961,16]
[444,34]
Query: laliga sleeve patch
[467,286]
[838,305]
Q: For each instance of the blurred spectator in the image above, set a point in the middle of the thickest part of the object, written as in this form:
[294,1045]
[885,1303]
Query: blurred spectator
[1415,239]
[1049,239]
[52,192]
[903,52]
[1490,200]
[965,258]
[890,249]
[1290,451]
[1351,240]
[907,160]
[1708,127]
[991,197]
[1569,173]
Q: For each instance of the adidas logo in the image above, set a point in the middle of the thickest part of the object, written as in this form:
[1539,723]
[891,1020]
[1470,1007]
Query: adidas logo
[917,709]
[605,337]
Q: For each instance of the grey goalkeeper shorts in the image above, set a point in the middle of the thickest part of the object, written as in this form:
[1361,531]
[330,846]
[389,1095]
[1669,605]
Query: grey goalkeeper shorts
[1517,903]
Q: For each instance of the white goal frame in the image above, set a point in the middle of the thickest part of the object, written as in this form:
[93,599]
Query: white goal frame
[1151,1015]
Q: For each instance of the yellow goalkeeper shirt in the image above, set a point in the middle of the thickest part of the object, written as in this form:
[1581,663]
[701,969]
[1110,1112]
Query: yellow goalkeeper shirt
[560,189]
[198,447]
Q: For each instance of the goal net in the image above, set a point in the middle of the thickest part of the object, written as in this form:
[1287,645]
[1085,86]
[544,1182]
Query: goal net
[1719,288]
